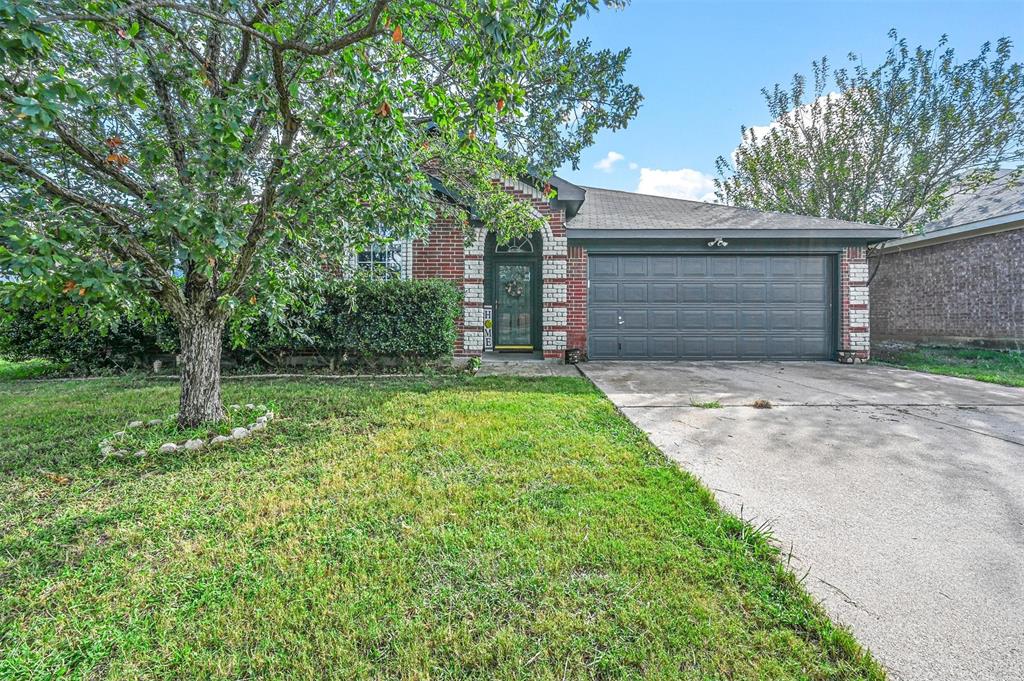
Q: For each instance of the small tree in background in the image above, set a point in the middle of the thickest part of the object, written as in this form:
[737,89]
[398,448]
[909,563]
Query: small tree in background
[202,156]
[885,145]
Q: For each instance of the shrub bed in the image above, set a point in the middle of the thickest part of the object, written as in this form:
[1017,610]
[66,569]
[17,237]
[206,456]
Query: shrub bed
[361,323]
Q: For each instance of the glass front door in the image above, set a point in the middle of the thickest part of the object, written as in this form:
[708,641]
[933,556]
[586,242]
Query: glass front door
[514,308]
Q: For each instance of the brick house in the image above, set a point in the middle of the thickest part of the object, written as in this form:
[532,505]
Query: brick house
[620,275]
[961,279]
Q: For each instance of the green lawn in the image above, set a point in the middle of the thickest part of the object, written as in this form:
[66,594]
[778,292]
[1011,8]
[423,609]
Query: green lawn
[1005,367]
[35,368]
[443,528]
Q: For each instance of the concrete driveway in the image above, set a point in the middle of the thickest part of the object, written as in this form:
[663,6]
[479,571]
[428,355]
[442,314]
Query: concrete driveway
[900,493]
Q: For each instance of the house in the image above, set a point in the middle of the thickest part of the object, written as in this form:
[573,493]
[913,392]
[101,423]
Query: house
[619,275]
[961,279]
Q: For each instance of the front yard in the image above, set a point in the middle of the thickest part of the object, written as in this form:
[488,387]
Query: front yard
[1004,367]
[442,528]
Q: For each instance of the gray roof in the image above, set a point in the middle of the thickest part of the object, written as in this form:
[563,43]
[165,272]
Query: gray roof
[1003,197]
[613,210]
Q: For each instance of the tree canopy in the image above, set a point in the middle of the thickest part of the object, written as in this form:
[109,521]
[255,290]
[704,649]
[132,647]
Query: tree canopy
[888,144]
[203,154]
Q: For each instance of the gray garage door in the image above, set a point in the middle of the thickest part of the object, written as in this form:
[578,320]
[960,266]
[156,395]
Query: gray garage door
[710,307]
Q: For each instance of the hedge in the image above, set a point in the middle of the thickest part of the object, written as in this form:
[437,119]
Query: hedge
[356,321]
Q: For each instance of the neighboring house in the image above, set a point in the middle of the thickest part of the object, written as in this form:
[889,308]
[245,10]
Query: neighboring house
[960,281]
[619,275]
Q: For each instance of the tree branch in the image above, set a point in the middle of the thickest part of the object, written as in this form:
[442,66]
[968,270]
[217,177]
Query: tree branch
[131,249]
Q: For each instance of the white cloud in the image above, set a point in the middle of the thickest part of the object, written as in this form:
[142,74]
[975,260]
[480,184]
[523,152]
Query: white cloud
[607,164]
[684,183]
[633,165]
[804,114]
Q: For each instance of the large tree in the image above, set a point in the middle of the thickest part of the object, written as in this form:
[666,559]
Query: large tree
[888,144]
[198,154]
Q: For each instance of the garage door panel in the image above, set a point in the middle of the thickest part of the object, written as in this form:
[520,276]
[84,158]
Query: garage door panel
[753,266]
[813,320]
[664,319]
[604,268]
[724,319]
[814,267]
[813,293]
[693,319]
[693,293]
[723,265]
[663,266]
[602,319]
[633,346]
[752,346]
[634,319]
[663,347]
[604,292]
[753,293]
[753,320]
[786,347]
[692,266]
[723,293]
[812,346]
[785,266]
[691,347]
[710,307]
[633,293]
[634,265]
[664,293]
[783,320]
[782,293]
[603,346]
[723,347]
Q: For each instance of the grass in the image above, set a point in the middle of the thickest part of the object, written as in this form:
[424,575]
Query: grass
[438,528]
[712,404]
[33,368]
[1005,367]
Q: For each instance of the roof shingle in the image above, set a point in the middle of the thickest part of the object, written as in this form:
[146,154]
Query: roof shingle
[610,209]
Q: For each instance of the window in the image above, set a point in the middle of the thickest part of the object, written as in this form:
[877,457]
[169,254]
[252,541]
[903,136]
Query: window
[518,245]
[383,260]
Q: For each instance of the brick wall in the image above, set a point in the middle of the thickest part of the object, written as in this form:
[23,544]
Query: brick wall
[441,256]
[577,298]
[970,289]
[450,253]
[854,319]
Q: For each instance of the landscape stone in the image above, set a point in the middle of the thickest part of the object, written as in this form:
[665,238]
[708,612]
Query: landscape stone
[135,424]
[141,453]
[220,438]
[193,445]
[154,422]
[239,433]
[168,448]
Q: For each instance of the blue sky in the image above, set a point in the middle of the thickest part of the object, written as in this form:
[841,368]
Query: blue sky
[701,67]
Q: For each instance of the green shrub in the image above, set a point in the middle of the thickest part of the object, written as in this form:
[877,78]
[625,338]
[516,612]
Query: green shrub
[407,319]
[358,321]
[67,338]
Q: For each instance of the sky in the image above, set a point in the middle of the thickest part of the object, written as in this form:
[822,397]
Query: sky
[701,67]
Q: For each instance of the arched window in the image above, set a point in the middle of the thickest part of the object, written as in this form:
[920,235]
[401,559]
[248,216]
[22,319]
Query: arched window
[515,245]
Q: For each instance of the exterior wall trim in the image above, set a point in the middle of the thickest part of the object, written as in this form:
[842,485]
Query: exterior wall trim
[969,231]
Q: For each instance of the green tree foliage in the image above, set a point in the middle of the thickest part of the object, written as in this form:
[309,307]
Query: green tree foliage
[210,154]
[886,145]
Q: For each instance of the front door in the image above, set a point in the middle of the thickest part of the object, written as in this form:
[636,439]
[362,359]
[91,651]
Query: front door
[514,298]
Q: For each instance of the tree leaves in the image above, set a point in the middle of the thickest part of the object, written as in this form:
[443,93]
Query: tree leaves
[188,140]
[887,145]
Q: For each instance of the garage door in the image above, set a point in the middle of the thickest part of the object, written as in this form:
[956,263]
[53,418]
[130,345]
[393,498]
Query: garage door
[710,307]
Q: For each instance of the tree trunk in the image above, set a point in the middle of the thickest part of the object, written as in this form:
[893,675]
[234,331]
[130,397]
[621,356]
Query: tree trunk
[200,370]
